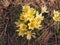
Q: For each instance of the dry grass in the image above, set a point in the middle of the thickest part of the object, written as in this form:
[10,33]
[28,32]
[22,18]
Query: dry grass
[9,9]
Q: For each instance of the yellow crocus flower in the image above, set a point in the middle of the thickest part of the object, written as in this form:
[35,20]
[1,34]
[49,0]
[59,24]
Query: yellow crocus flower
[37,25]
[43,9]
[26,8]
[31,25]
[29,35]
[22,17]
[56,13]
[21,32]
[31,11]
[32,20]
[39,17]
[23,26]
[28,16]
[56,19]
[56,16]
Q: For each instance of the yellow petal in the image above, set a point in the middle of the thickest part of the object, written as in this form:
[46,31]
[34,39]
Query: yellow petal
[21,33]
[26,8]
[56,13]
[29,34]
[23,26]
[56,18]
[43,9]
[31,25]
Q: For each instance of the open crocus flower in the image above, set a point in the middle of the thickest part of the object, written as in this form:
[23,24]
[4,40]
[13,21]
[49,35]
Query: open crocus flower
[26,8]
[22,17]
[23,26]
[56,19]
[32,20]
[56,16]
[21,32]
[31,11]
[39,17]
[56,13]
[37,25]
[31,25]
[43,9]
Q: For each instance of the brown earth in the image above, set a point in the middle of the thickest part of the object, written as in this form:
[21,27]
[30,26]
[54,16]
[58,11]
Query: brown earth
[9,11]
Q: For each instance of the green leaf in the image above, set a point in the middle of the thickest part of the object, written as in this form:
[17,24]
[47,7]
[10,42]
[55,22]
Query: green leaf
[1,42]
[57,32]
[33,36]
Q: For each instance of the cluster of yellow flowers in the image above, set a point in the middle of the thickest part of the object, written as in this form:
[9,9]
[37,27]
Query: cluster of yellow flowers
[29,20]
[56,16]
